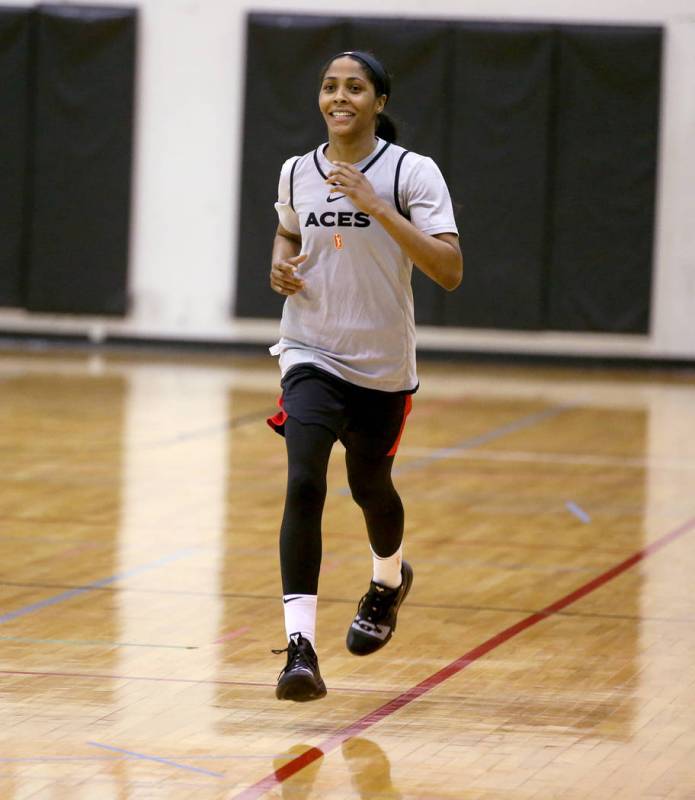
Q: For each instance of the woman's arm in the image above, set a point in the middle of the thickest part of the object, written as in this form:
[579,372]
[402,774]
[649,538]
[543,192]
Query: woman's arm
[285,261]
[438,256]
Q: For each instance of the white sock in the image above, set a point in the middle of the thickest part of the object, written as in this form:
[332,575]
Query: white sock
[387,570]
[300,615]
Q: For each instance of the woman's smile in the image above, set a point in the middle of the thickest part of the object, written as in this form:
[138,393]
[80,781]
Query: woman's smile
[342,116]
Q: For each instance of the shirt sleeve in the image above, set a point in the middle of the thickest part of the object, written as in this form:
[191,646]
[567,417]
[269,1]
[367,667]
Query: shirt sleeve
[427,199]
[286,214]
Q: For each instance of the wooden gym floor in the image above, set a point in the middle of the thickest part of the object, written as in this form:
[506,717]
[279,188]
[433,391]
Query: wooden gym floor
[547,649]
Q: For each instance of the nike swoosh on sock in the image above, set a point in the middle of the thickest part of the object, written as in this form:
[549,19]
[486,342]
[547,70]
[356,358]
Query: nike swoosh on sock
[290,599]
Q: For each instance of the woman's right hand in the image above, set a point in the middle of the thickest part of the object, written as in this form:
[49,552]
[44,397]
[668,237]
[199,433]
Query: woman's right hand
[283,278]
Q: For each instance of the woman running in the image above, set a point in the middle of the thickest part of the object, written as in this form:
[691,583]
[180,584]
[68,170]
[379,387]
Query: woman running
[355,215]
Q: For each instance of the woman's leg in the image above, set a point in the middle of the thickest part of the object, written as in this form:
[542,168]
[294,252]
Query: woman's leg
[308,450]
[373,490]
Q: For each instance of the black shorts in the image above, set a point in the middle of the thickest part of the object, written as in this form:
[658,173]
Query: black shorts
[368,422]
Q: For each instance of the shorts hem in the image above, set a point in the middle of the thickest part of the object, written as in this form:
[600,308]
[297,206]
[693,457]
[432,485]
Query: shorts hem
[278,420]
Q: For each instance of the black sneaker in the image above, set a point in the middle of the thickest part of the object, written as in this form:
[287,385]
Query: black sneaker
[375,620]
[300,680]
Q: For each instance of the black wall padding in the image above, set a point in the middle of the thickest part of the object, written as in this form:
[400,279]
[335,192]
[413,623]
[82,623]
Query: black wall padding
[82,178]
[14,148]
[546,135]
[605,172]
[499,173]
[284,57]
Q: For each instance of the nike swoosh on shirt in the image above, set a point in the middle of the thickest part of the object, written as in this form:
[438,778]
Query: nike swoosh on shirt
[332,199]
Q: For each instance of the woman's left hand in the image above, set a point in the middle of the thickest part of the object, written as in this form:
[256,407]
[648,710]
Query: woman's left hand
[346,179]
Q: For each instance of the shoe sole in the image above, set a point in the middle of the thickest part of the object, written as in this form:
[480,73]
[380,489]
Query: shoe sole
[408,580]
[300,689]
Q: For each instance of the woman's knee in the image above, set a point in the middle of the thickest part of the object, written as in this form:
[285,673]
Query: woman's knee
[368,492]
[306,488]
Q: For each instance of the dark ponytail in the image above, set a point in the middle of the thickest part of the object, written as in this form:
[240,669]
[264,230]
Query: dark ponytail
[386,128]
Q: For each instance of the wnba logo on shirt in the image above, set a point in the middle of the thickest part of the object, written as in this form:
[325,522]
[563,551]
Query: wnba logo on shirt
[342,219]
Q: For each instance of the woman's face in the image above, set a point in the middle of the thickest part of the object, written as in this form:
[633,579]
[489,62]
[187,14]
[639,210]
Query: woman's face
[347,98]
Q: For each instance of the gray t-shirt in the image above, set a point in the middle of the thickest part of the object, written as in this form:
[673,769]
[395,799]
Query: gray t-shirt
[354,318]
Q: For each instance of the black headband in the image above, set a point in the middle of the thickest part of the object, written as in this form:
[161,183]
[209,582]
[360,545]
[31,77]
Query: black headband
[374,65]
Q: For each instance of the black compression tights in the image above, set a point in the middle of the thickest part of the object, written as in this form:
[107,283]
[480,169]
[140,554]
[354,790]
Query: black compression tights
[308,451]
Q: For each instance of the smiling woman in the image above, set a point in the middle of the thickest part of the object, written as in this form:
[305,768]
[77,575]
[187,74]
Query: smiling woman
[355,215]
[369,71]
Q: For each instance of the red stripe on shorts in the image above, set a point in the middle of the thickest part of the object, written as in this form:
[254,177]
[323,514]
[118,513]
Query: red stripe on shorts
[406,411]
[277,421]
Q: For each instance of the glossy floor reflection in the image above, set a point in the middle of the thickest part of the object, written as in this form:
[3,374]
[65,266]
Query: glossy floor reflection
[547,649]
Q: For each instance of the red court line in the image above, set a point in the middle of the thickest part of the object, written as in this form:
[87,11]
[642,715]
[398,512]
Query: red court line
[258,789]
[232,635]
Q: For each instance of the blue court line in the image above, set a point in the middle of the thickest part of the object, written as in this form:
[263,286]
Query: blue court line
[476,441]
[472,442]
[578,512]
[159,760]
[68,595]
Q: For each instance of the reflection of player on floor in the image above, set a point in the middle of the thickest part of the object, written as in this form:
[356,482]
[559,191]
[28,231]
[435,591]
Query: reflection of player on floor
[355,214]
[370,769]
